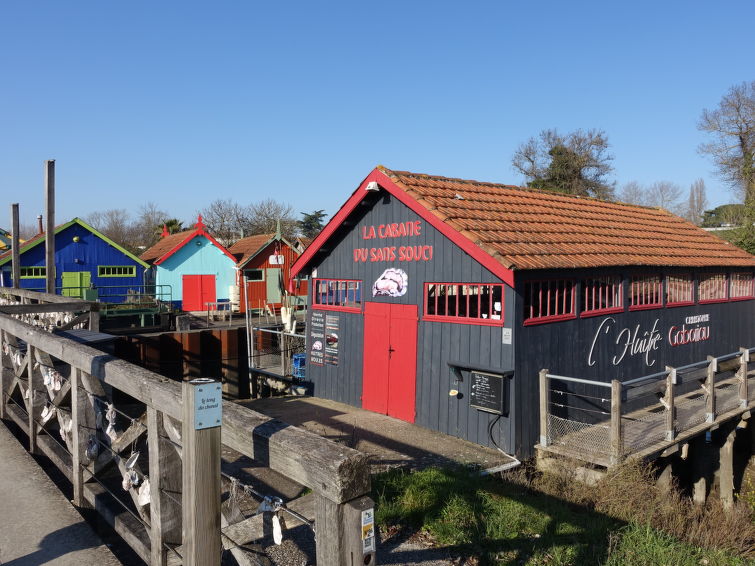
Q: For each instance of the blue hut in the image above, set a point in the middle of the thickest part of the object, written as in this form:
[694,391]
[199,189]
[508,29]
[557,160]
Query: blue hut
[199,270]
[85,260]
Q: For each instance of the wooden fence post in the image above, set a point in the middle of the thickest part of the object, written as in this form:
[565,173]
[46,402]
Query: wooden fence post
[544,384]
[744,358]
[710,389]
[282,345]
[345,534]
[78,444]
[669,403]
[616,440]
[30,393]
[200,439]
[94,317]
[3,385]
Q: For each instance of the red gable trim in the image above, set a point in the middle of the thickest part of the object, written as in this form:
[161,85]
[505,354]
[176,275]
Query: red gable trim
[198,232]
[385,182]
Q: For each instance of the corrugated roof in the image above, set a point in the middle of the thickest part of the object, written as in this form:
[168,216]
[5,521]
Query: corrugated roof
[246,248]
[535,229]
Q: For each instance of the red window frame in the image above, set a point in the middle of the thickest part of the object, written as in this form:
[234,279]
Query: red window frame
[648,283]
[558,293]
[463,303]
[684,285]
[331,294]
[603,290]
[748,286]
[721,282]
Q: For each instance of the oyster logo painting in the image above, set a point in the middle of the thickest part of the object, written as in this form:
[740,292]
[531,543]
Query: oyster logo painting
[627,342]
[392,283]
[409,229]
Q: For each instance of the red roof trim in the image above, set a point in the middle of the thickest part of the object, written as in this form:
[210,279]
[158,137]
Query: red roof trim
[385,182]
[198,232]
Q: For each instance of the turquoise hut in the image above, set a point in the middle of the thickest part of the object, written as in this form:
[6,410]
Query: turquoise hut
[199,270]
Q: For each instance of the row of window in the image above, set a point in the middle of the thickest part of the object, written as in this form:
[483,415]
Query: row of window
[481,303]
[40,272]
[556,299]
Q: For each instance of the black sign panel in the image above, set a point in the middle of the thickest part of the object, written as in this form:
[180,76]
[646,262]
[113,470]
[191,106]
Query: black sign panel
[486,392]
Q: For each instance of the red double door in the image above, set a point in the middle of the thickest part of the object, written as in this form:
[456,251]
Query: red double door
[390,359]
[197,290]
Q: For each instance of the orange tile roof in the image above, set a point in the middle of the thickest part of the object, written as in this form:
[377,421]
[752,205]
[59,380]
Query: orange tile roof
[246,248]
[526,228]
[164,245]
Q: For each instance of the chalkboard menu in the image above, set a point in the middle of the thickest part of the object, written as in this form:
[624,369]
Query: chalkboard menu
[486,392]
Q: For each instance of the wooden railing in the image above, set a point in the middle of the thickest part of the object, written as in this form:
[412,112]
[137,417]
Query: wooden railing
[72,400]
[51,312]
[606,422]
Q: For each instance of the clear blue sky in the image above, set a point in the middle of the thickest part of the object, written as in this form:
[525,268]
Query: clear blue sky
[180,103]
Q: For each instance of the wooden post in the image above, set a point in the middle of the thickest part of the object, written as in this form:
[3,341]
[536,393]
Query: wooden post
[94,317]
[50,226]
[79,436]
[616,440]
[669,403]
[666,478]
[544,384]
[744,359]
[15,247]
[164,476]
[200,437]
[3,386]
[710,390]
[726,470]
[345,534]
[701,464]
[31,391]
[282,345]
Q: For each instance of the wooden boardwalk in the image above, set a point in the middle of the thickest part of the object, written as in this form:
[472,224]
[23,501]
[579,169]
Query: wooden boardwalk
[715,392]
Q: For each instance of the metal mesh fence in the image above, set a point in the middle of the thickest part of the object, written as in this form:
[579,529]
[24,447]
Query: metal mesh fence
[690,411]
[589,438]
[645,426]
[727,397]
[274,350]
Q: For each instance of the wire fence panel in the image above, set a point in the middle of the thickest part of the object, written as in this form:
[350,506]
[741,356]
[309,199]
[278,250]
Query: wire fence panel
[274,350]
[727,397]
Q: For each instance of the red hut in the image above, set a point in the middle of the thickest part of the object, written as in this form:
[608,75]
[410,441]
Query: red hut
[264,262]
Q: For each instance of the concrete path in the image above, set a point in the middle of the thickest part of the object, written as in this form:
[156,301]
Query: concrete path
[38,525]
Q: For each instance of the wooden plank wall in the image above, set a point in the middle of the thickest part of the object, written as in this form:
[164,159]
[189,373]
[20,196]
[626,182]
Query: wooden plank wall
[563,347]
[218,353]
[437,342]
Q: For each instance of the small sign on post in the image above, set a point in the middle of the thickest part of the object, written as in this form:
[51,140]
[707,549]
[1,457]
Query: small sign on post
[208,403]
[201,445]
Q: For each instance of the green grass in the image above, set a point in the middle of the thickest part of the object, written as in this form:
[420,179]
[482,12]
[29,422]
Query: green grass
[501,522]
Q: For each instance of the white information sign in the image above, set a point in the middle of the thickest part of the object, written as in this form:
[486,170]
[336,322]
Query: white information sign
[208,403]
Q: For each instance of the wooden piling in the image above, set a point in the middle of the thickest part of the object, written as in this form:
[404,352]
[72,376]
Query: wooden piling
[50,226]
[15,246]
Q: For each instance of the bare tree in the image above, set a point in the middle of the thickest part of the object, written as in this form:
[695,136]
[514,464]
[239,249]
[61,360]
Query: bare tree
[576,163]
[633,193]
[697,203]
[227,220]
[265,215]
[732,126]
[148,224]
[116,224]
[665,194]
